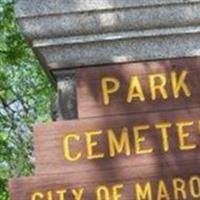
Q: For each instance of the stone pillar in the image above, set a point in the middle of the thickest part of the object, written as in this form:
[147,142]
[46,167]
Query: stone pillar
[64,106]
[67,34]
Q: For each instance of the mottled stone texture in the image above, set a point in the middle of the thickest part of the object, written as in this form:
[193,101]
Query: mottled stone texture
[67,34]
[46,7]
[65,106]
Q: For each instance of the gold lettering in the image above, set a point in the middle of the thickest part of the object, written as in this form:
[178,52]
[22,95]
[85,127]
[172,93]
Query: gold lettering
[145,194]
[91,144]
[37,196]
[195,181]
[178,83]
[109,86]
[116,146]
[78,194]
[164,132]
[162,191]
[117,192]
[68,155]
[50,195]
[102,193]
[156,87]
[61,194]
[135,90]
[139,139]
[179,189]
[199,127]
[183,135]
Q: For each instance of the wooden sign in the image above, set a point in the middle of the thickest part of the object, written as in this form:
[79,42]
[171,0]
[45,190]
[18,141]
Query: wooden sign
[146,147]
[173,183]
[162,139]
[138,87]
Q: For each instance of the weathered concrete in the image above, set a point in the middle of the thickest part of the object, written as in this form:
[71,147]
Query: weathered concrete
[64,106]
[75,33]
[67,34]
[28,8]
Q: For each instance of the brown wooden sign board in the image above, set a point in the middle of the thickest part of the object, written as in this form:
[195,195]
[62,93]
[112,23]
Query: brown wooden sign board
[124,184]
[138,87]
[164,139]
[146,147]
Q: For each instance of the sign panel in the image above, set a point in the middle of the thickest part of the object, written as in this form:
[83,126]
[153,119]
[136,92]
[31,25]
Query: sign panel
[164,139]
[138,87]
[146,146]
[124,184]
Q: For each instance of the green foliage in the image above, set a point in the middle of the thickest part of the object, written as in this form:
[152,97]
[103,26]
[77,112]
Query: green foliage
[25,95]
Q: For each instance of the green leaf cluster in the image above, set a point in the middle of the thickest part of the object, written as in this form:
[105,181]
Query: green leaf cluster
[25,96]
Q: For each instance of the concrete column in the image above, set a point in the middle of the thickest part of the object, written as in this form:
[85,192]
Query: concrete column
[68,34]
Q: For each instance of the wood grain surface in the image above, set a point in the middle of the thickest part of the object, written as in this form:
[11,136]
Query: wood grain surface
[126,180]
[49,148]
[90,97]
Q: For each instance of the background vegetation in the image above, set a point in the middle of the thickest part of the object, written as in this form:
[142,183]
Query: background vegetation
[25,95]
